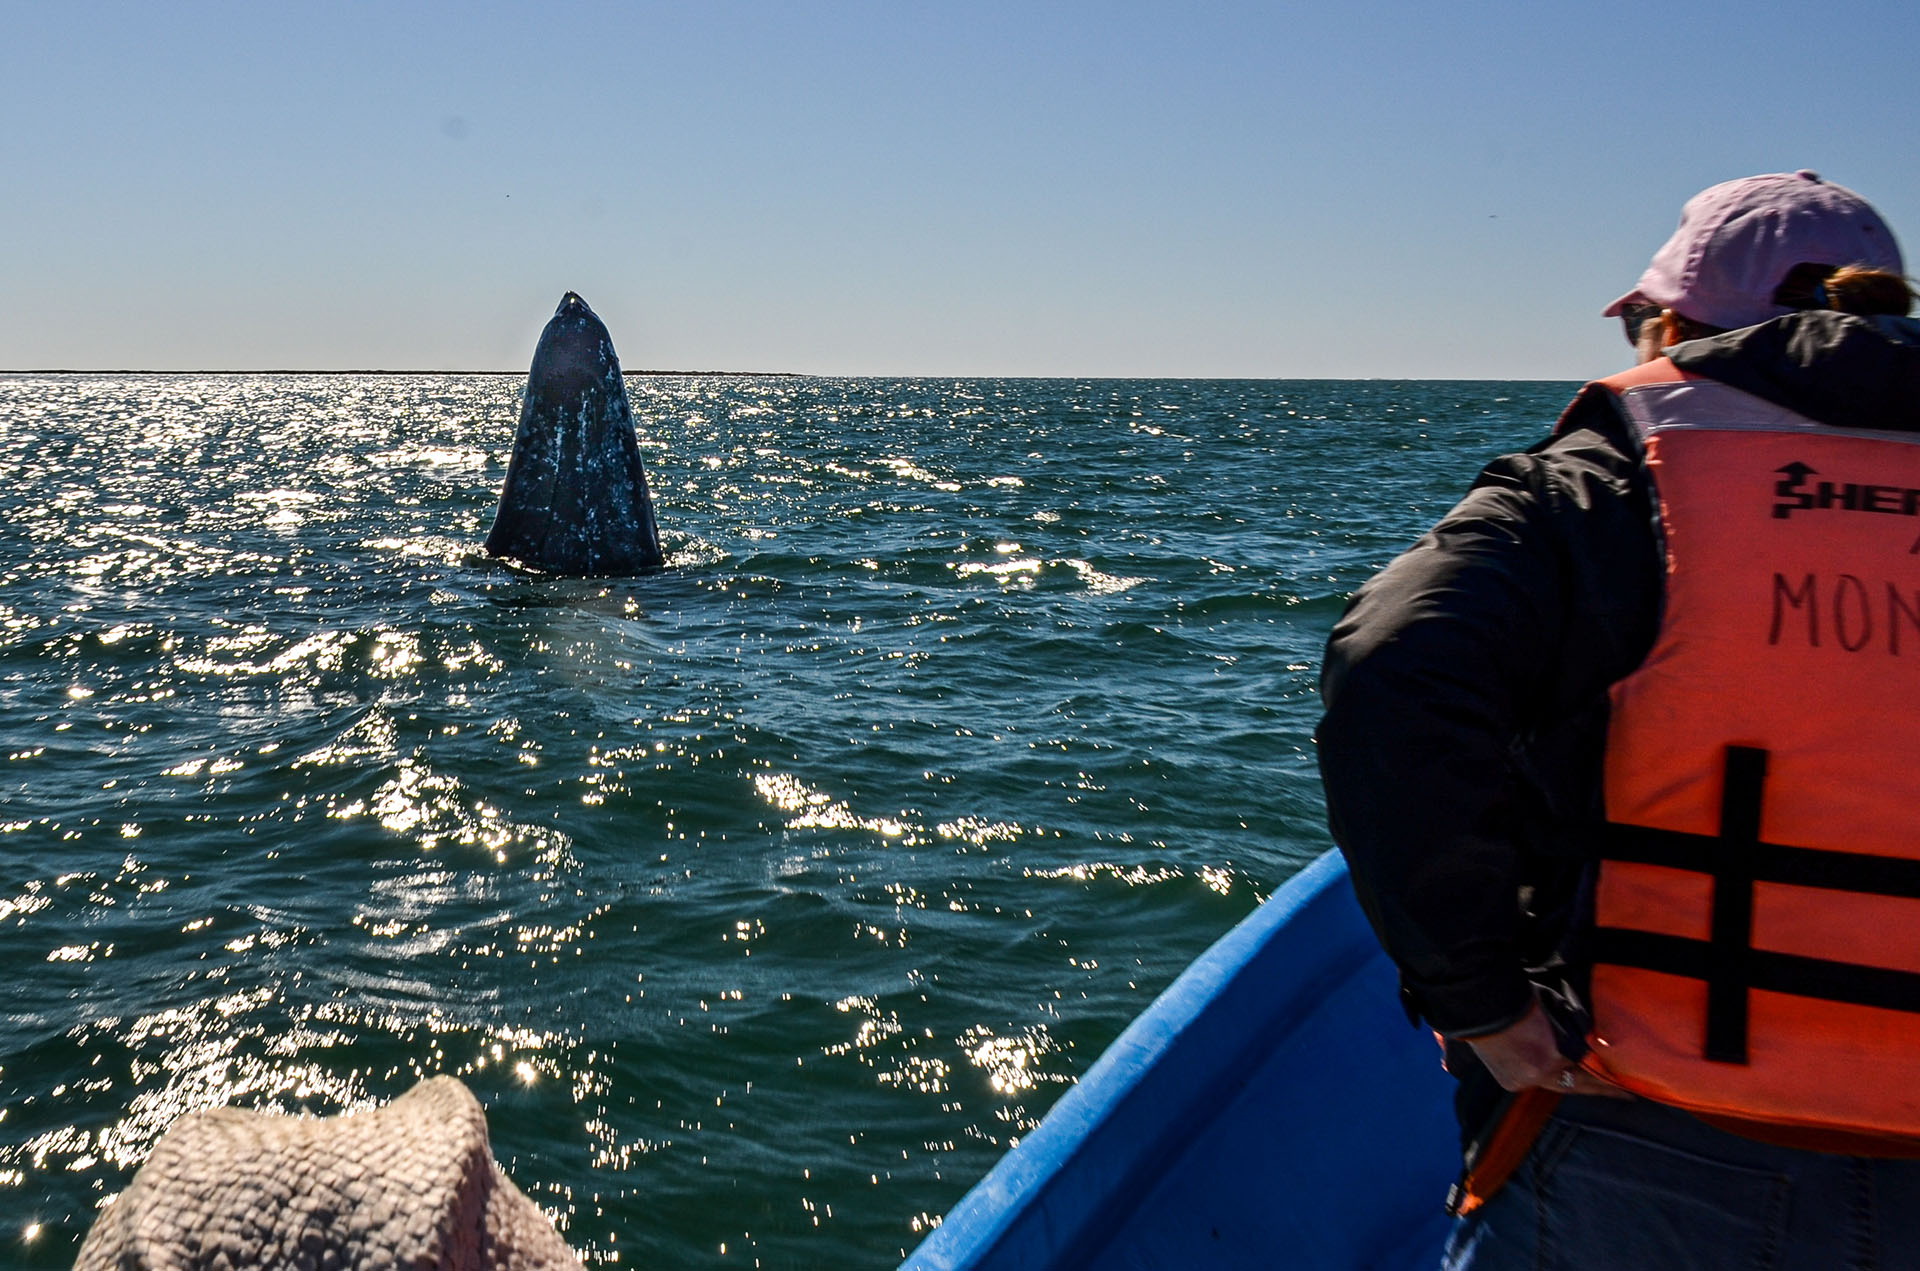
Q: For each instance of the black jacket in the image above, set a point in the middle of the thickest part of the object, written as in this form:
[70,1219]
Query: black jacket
[1466,684]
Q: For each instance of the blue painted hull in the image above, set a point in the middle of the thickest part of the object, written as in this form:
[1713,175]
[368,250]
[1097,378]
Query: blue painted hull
[1271,1109]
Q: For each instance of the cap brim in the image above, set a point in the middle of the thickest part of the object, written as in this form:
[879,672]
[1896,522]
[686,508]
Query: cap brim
[1634,297]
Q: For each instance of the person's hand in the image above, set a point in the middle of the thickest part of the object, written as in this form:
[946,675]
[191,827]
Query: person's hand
[1527,1056]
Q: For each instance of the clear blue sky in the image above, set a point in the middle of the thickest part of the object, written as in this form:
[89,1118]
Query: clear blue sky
[1262,189]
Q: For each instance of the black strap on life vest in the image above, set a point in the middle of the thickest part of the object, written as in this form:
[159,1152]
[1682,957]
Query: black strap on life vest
[1728,975]
[1736,858]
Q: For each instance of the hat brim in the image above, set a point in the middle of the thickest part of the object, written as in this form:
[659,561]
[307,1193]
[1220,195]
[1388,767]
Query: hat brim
[1634,297]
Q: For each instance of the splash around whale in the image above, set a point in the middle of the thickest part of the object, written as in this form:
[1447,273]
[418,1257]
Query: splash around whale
[576,499]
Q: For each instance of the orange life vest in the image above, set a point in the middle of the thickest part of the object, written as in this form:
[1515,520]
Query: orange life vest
[1756,935]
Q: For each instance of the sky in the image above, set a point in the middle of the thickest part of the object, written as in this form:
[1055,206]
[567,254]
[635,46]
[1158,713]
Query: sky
[1277,189]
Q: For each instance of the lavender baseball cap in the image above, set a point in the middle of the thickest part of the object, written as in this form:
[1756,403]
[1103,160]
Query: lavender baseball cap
[1738,239]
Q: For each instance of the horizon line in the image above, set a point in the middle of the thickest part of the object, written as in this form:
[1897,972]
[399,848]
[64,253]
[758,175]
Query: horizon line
[1425,379]
[288,370]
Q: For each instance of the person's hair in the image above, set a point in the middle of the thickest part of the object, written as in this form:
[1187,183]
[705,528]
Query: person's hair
[1857,289]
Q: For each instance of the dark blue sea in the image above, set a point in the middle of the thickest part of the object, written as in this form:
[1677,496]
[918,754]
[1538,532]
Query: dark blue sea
[764,902]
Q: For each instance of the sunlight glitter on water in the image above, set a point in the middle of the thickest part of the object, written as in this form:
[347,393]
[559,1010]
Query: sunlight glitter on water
[795,881]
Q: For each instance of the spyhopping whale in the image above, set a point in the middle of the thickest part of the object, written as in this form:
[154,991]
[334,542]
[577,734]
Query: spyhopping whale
[576,499]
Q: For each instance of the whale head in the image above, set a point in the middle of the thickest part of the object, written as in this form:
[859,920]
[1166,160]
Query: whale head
[576,498]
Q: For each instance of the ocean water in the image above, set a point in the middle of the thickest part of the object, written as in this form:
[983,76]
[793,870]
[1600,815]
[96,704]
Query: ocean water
[765,901]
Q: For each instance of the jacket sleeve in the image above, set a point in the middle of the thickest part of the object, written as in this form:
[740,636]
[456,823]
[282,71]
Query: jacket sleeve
[1428,682]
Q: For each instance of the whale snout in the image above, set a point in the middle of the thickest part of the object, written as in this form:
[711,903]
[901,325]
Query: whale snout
[576,498]
[574,349]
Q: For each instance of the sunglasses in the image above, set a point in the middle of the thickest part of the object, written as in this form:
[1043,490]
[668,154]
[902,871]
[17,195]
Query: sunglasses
[1633,317]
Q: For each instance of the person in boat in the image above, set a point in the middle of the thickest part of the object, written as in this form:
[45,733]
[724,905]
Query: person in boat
[1620,755]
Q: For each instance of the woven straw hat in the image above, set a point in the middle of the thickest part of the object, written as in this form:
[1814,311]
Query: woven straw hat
[411,1184]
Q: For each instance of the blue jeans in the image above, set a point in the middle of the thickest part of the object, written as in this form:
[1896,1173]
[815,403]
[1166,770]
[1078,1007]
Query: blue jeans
[1634,1186]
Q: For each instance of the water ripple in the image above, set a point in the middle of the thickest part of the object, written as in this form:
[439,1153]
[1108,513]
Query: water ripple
[791,884]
